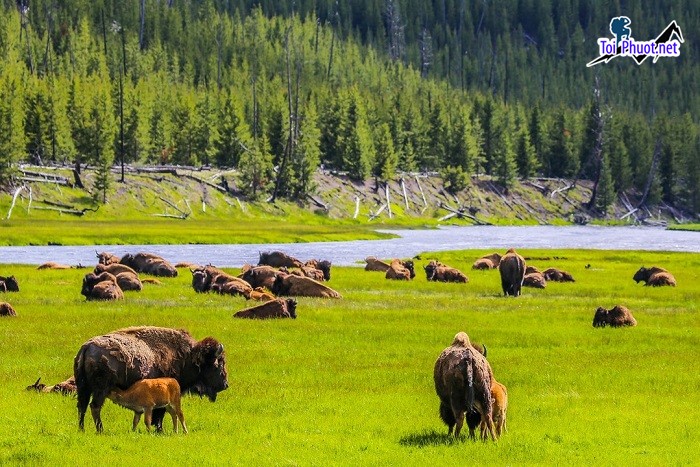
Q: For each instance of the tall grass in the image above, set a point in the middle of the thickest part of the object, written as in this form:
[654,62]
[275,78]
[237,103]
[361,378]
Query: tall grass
[350,381]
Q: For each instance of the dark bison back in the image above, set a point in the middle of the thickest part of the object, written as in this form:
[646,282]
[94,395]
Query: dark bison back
[512,269]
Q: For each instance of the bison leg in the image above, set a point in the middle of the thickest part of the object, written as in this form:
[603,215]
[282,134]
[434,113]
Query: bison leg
[148,414]
[173,414]
[459,416]
[487,428]
[98,400]
[137,418]
[83,402]
[158,416]
[447,416]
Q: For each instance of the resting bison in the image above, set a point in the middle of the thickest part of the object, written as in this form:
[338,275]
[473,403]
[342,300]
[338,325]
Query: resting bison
[308,271]
[654,277]
[101,287]
[512,269]
[535,280]
[210,278]
[260,294]
[616,317]
[129,281]
[67,387]
[107,258]
[114,268]
[277,259]
[53,265]
[149,263]
[531,270]
[487,262]
[297,286]
[8,284]
[462,379]
[373,264]
[260,276]
[435,271]
[7,310]
[278,308]
[557,275]
[324,266]
[122,357]
[401,270]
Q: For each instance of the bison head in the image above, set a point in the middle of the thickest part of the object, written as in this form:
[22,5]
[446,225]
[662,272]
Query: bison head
[641,275]
[325,267]
[201,281]
[600,320]
[408,264]
[292,307]
[208,357]
[11,284]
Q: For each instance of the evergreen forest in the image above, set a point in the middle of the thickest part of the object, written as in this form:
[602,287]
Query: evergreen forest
[368,88]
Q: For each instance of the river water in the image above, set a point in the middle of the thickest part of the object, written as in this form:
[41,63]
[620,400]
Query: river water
[408,244]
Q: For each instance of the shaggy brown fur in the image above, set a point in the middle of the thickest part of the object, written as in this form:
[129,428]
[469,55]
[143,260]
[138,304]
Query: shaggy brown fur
[186,265]
[147,394]
[278,259]
[129,281]
[400,270]
[499,394]
[462,378]
[260,276]
[616,317]
[151,280]
[120,358]
[557,275]
[296,286]
[9,284]
[107,258]
[483,264]
[66,388]
[53,265]
[512,269]
[260,294]
[234,286]
[101,287]
[435,271]
[531,270]
[277,308]
[535,280]
[654,277]
[7,310]
[149,263]
[114,268]
[373,264]
[322,265]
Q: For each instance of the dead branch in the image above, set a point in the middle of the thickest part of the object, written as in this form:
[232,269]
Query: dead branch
[357,207]
[14,199]
[317,202]
[388,203]
[403,188]
[375,215]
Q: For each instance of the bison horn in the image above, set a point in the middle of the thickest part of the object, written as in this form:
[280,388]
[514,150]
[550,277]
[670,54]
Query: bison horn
[220,350]
[486,351]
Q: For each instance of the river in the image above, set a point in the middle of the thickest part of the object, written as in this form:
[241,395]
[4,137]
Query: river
[408,244]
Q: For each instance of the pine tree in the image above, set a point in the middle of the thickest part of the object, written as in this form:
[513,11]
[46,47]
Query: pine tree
[307,154]
[386,159]
[12,111]
[525,154]
[606,190]
[256,170]
[505,167]
[356,144]
[234,134]
[204,131]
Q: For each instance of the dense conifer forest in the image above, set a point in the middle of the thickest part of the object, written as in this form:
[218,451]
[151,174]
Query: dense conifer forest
[369,88]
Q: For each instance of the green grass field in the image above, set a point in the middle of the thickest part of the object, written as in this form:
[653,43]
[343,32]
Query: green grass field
[350,381]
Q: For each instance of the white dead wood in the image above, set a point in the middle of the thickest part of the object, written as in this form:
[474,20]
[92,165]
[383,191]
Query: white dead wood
[405,198]
[14,199]
[376,214]
[425,203]
[357,207]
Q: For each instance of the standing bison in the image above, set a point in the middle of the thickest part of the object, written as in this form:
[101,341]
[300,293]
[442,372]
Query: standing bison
[512,269]
[462,379]
[122,357]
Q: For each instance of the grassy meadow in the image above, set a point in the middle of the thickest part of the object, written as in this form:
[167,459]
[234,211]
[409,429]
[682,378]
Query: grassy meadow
[350,381]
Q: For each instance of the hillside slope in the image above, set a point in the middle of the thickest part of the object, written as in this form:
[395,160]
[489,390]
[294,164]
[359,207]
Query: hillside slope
[207,194]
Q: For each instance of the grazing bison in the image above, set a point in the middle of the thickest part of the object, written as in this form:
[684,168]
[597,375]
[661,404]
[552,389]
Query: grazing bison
[149,263]
[512,269]
[122,357]
[66,388]
[8,284]
[323,266]
[654,277]
[462,378]
[107,258]
[616,317]
[373,264]
[101,287]
[535,280]
[277,259]
[400,270]
[7,310]
[53,265]
[148,394]
[435,271]
[114,268]
[557,275]
[297,286]
[487,261]
[278,308]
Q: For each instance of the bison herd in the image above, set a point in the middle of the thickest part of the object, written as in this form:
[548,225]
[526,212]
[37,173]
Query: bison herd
[146,368]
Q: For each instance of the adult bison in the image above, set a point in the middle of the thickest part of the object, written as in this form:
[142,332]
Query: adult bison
[9,284]
[149,263]
[122,357]
[277,259]
[278,308]
[512,269]
[654,276]
[616,317]
[438,272]
[487,262]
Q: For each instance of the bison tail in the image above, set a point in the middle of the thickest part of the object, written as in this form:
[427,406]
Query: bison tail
[469,380]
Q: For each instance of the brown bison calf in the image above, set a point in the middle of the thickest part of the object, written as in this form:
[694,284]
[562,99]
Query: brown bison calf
[616,317]
[147,394]
[278,308]
[512,269]
[66,388]
[101,287]
[438,272]
[7,310]
[8,284]
[259,294]
[654,277]
[462,379]
[557,275]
